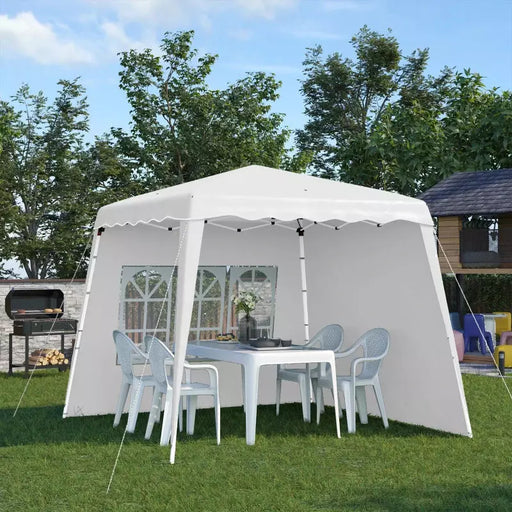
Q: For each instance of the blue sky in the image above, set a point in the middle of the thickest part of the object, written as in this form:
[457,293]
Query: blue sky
[42,41]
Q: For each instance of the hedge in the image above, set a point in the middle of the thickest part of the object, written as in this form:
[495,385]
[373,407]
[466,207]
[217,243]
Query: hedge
[485,292]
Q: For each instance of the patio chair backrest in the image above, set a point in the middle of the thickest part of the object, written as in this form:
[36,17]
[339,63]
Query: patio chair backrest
[148,342]
[474,325]
[375,343]
[125,348]
[329,337]
[157,353]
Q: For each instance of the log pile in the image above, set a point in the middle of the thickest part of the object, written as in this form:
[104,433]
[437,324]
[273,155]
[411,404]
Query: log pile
[47,356]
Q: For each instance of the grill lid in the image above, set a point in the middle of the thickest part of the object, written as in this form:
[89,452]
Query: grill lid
[30,303]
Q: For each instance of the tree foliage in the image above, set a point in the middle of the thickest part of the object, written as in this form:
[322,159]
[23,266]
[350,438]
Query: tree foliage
[377,120]
[381,121]
[51,183]
[182,130]
[40,181]
[468,128]
[345,99]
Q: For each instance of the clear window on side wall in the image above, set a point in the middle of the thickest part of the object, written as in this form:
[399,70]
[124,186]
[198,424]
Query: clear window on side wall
[148,294]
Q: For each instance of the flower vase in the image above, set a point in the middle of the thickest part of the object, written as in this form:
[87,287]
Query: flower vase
[247,328]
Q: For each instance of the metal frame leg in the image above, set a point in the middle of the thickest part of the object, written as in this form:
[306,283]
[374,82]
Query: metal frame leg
[26,354]
[10,354]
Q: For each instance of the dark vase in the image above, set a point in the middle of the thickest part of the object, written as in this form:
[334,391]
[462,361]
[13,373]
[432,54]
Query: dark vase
[247,328]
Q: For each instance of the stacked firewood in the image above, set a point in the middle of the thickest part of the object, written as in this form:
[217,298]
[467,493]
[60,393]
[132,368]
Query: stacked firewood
[47,356]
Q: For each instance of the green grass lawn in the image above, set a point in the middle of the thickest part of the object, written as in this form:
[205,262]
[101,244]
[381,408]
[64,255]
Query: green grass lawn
[51,464]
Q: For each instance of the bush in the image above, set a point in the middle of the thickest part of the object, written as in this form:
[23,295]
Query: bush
[484,292]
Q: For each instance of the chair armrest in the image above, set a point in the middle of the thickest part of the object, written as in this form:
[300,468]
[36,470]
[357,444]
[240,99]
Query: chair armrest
[212,371]
[355,362]
[345,353]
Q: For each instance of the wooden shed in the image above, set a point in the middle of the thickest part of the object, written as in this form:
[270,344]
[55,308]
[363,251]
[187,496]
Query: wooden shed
[474,221]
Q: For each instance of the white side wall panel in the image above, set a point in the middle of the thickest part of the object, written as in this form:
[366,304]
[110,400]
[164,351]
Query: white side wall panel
[369,276]
[360,276]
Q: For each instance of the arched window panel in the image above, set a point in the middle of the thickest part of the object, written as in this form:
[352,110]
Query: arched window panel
[147,296]
[209,303]
[262,281]
[132,291]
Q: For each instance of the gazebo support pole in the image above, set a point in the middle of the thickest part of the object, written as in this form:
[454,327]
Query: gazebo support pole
[191,235]
[304,288]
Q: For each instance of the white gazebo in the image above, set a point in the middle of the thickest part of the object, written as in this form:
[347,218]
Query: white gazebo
[369,258]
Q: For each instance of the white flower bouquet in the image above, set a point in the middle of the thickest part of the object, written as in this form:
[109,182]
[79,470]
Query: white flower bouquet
[246,301]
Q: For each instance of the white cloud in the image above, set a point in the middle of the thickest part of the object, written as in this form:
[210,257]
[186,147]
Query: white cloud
[158,12]
[172,13]
[25,36]
[117,40]
[147,19]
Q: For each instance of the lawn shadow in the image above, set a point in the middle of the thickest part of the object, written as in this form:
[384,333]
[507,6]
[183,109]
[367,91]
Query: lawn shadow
[290,422]
[421,498]
[34,425]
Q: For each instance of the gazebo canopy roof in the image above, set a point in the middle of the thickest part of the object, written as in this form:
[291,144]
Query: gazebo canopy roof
[471,193]
[257,192]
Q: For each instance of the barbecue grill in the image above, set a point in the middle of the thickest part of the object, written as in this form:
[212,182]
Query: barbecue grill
[36,312]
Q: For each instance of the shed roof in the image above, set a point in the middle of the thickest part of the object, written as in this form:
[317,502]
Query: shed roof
[471,193]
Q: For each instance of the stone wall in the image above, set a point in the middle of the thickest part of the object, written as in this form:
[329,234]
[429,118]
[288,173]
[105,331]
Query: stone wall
[74,292]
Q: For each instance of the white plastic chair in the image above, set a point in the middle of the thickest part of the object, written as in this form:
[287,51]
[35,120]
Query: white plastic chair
[160,357]
[126,352]
[331,338]
[374,344]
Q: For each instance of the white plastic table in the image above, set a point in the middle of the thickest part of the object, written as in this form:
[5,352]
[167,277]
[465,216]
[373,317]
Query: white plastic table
[253,360]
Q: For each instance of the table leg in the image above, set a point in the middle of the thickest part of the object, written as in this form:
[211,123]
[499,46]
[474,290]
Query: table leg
[251,401]
[243,385]
[307,417]
[335,396]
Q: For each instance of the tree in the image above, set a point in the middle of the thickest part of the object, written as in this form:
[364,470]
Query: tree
[421,143]
[345,100]
[43,192]
[53,183]
[181,130]
[380,121]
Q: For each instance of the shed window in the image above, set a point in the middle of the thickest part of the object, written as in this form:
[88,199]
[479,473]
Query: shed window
[479,242]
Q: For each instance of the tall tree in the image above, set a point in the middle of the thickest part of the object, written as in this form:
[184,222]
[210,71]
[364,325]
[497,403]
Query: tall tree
[381,121]
[345,99]
[42,189]
[468,128]
[182,130]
